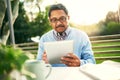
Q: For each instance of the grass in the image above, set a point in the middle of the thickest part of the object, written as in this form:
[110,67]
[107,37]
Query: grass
[105,44]
[106,49]
[106,55]
[100,61]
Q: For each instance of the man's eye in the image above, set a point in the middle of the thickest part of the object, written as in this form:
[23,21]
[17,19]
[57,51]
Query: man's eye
[62,19]
[53,20]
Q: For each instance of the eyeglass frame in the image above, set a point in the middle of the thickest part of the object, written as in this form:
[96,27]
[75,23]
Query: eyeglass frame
[61,19]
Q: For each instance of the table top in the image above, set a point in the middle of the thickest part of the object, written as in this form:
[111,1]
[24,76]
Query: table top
[67,73]
[108,70]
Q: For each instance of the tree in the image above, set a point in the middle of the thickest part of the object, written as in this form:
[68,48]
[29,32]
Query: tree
[25,29]
[112,16]
[111,24]
[111,28]
[4,29]
[40,25]
[21,25]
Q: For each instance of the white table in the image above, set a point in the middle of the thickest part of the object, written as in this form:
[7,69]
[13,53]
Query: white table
[67,73]
[108,70]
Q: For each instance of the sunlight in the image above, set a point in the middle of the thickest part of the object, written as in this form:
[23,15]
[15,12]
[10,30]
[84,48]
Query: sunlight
[87,11]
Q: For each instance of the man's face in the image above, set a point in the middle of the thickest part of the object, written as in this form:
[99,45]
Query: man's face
[59,20]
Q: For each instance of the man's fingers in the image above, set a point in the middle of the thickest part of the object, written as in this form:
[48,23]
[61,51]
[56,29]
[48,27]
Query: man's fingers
[67,59]
[71,55]
[44,54]
[70,60]
[44,57]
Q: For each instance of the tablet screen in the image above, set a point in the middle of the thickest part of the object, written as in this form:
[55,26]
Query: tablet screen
[55,50]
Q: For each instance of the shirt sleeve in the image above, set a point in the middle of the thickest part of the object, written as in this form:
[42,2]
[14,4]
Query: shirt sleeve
[87,55]
[40,49]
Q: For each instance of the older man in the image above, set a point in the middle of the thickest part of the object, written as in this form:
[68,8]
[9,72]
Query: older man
[59,20]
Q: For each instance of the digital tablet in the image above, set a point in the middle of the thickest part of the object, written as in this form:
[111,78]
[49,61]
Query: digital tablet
[55,50]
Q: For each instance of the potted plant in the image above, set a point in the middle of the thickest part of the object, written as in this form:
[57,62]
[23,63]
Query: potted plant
[10,59]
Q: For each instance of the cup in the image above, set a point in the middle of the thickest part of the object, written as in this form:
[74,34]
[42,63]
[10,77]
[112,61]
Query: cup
[37,69]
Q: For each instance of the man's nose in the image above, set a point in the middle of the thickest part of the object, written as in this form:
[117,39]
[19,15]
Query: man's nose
[58,22]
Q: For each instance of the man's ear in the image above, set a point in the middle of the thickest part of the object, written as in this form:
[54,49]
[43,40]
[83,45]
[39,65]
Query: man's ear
[49,20]
[68,17]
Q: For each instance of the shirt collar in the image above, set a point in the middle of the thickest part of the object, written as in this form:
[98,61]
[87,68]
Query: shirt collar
[66,31]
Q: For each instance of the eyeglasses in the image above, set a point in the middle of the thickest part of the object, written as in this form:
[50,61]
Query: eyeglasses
[61,19]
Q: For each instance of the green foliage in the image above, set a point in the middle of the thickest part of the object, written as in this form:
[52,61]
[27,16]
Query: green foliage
[24,29]
[40,25]
[21,25]
[111,24]
[10,59]
[111,28]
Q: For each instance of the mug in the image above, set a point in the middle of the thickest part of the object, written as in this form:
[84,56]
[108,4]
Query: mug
[37,69]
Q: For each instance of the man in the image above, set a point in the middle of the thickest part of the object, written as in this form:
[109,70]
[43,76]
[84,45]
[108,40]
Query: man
[83,54]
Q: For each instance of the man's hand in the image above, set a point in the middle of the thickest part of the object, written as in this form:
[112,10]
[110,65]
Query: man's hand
[71,60]
[44,57]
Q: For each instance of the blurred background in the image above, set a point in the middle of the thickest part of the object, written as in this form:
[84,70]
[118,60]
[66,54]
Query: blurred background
[95,17]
